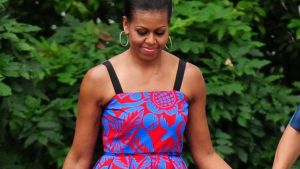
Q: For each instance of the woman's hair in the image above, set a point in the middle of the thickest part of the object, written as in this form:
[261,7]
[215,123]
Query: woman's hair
[148,5]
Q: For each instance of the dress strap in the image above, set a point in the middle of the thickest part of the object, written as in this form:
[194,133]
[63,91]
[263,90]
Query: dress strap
[179,75]
[113,77]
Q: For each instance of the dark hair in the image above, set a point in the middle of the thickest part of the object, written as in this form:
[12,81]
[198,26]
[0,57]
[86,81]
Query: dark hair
[131,5]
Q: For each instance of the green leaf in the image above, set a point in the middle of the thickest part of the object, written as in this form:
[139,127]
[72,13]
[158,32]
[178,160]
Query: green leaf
[225,149]
[246,114]
[29,141]
[216,115]
[221,33]
[1,78]
[227,115]
[20,114]
[25,75]
[244,5]
[222,135]
[238,51]
[15,27]
[12,69]
[179,25]
[242,121]
[273,78]
[10,36]
[23,46]
[298,34]
[47,125]
[81,7]
[258,63]
[50,134]
[5,90]
[223,142]
[260,11]
[43,140]
[66,78]
[234,87]
[294,23]
[297,84]
[242,154]
[32,102]
[70,20]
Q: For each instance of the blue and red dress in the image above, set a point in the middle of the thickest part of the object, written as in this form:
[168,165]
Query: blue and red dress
[295,120]
[144,130]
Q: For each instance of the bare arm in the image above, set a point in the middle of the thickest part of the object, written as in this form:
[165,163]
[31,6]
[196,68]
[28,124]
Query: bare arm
[87,123]
[288,149]
[198,134]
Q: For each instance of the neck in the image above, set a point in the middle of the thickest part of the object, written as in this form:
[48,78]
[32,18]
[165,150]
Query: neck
[145,64]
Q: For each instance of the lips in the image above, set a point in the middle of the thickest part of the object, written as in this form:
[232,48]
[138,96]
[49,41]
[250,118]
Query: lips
[149,50]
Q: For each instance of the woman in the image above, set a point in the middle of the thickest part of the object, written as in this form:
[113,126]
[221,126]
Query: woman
[148,96]
[288,149]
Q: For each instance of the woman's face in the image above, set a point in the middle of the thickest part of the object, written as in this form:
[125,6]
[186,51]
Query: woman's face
[148,33]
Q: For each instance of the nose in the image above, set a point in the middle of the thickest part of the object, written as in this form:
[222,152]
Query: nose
[150,39]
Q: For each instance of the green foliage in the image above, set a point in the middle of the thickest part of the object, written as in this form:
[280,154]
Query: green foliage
[39,82]
[40,75]
[282,38]
[242,106]
[19,72]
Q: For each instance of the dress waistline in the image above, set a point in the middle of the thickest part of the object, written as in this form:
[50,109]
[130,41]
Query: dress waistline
[144,154]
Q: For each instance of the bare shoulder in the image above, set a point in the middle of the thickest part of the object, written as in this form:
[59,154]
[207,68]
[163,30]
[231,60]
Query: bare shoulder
[94,84]
[193,82]
[97,74]
[193,71]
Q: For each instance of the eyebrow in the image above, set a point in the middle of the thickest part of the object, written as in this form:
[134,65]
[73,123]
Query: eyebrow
[147,28]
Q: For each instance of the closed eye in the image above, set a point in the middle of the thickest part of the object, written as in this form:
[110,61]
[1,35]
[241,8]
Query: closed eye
[160,33]
[142,32]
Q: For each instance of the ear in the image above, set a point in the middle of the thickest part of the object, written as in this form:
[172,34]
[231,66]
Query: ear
[125,25]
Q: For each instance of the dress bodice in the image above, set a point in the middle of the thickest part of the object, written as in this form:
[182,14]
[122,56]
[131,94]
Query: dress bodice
[144,130]
[145,122]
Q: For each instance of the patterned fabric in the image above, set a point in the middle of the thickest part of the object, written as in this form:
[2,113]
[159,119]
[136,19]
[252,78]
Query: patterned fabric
[144,130]
[295,120]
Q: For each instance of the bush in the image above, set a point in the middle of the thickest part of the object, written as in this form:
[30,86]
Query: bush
[41,70]
[242,107]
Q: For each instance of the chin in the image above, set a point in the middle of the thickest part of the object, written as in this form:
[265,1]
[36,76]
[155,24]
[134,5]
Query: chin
[150,56]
